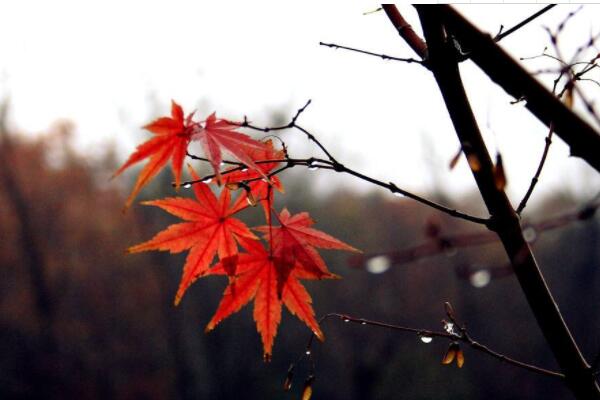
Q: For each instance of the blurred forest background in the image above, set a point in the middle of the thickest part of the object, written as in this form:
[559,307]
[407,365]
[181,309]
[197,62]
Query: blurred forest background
[81,319]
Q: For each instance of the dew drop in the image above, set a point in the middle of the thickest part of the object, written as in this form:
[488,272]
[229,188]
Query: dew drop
[187,185]
[480,278]
[449,327]
[426,339]
[378,264]
[308,352]
[207,180]
[363,323]
[398,194]
[313,168]
[346,320]
[529,234]
[244,169]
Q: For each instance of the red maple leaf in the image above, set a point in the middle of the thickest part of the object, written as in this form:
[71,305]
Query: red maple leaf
[210,229]
[218,134]
[257,189]
[257,279]
[294,245]
[170,141]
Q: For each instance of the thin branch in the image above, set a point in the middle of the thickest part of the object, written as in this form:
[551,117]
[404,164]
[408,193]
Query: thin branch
[319,163]
[521,24]
[290,125]
[331,164]
[573,77]
[382,56]
[462,336]
[538,172]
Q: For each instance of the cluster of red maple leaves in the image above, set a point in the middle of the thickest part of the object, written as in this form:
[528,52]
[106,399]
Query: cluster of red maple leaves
[271,265]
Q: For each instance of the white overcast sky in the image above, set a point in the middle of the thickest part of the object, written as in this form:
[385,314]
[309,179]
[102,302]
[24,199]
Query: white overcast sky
[111,66]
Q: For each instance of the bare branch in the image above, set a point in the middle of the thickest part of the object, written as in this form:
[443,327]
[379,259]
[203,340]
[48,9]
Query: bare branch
[538,172]
[583,139]
[449,333]
[438,21]
[330,164]
[382,56]
[521,24]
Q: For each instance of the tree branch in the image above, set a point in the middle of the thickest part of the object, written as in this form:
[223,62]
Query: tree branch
[382,56]
[538,172]
[319,163]
[454,335]
[406,31]
[444,66]
[583,139]
[521,24]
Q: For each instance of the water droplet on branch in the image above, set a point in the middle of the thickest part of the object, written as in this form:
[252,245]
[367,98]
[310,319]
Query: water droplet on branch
[426,339]
[480,278]
[378,264]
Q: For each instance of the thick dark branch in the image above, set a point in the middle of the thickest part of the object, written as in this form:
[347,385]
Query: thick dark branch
[462,336]
[583,139]
[444,66]
[382,56]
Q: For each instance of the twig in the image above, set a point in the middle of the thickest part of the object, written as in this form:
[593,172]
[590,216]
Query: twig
[319,163]
[521,24]
[290,125]
[462,336]
[331,164]
[573,77]
[538,172]
[382,56]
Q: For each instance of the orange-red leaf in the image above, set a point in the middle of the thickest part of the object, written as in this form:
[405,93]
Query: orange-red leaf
[294,245]
[258,189]
[170,142]
[257,279]
[210,229]
[217,135]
